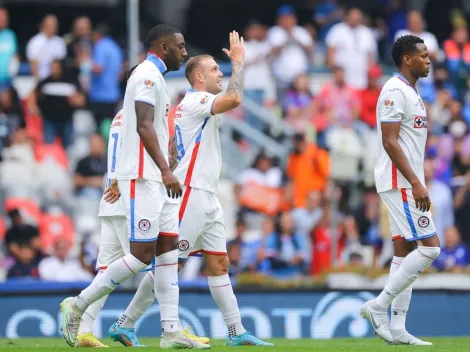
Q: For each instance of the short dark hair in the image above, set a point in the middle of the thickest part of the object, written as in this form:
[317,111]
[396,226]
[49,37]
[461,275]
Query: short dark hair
[103,29]
[160,31]
[404,45]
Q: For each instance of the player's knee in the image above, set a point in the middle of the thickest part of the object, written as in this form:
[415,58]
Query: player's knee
[143,252]
[218,265]
[430,252]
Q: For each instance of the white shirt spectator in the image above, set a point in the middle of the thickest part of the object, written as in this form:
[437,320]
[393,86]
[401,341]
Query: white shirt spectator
[293,59]
[271,178]
[257,72]
[44,50]
[52,269]
[442,208]
[353,48]
[431,44]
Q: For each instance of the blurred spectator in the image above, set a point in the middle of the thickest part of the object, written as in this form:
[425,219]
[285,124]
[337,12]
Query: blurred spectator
[368,97]
[60,267]
[79,48]
[284,249]
[90,171]
[26,262]
[291,45]
[308,169]
[352,46]
[257,71]
[104,89]
[257,188]
[461,158]
[326,14]
[20,233]
[454,256]
[338,105]
[44,48]
[395,18]
[462,208]
[243,252]
[441,198]
[443,82]
[416,27]
[298,104]
[353,252]
[457,53]
[9,63]
[56,98]
[307,218]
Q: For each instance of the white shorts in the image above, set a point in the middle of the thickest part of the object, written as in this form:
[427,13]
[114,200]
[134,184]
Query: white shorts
[149,210]
[114,241]
[405,219]
[202,226]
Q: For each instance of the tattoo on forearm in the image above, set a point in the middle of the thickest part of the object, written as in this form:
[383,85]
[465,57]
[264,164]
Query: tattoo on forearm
[173,155]
[235,86]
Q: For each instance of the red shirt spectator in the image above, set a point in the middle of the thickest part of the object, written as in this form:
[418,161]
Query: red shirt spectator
[369,97]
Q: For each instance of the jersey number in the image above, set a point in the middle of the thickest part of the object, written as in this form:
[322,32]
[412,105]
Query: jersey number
[113,163]
[179,142]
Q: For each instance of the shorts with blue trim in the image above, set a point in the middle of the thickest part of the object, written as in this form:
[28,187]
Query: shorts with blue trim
[405,219]
[149,210]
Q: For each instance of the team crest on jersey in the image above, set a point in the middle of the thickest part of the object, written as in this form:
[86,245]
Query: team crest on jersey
[144,225]
[421,122]
[389,103]
[149,83]
[423,221]
[183,245]
[204,99]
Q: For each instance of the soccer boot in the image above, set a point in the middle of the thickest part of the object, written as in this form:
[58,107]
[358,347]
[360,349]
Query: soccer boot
[246,339]
[403,337]
[70,321]
[378,318]
[126,336]
[89,340]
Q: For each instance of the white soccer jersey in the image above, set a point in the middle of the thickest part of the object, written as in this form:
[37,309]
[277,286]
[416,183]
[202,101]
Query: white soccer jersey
[400,103]
[198,142]
[116,209]
[147,85]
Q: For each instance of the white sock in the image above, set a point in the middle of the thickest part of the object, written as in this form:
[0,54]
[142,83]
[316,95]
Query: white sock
[167,291]
[141,302]
[222,292]
[90,315]
[401,302]
[409,270]
[118,272]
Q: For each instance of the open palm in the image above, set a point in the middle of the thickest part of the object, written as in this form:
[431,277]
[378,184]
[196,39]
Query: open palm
[237,47]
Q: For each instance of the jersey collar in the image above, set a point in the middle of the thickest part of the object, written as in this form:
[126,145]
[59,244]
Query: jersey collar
[155,59]
[191,90]
[402,78]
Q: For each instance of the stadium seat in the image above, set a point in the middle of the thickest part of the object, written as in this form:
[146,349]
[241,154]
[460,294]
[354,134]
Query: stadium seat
[55,225]
[54,151]
[29,209]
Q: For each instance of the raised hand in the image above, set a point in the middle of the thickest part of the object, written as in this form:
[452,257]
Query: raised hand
[237,48]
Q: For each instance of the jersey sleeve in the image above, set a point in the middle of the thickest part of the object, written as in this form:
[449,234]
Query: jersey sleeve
[202,105]
[392,106]
[146,88]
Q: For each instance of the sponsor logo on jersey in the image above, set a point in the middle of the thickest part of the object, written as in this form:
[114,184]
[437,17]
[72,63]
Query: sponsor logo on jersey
[421,122]
[204,99]
[389,103]
[149,83]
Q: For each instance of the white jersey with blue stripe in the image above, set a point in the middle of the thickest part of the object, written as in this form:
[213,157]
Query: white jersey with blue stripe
[198,142]
[116,209]
[400,103]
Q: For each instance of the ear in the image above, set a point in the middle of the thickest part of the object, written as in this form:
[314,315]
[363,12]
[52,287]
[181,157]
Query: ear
[198,76]
[407,59]
[164,48]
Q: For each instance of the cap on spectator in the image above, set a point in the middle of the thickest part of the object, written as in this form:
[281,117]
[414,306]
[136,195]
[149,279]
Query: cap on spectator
[374,71]
[285,10]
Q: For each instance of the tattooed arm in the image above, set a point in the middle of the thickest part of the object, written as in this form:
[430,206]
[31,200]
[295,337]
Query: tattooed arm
[233,96]
[173,155]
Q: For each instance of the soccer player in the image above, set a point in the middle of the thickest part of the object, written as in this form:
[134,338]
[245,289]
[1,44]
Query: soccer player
[145,180]
[399,177]
[198,148]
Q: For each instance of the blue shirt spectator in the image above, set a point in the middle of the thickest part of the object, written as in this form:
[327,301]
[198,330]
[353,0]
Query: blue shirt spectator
[455,255]
[327,14]
[107,64]
[8,50]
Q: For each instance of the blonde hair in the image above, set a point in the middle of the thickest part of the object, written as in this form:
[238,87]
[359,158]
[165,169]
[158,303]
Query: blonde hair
[192,64]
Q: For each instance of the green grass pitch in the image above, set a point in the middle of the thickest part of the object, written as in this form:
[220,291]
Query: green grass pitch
[461,344]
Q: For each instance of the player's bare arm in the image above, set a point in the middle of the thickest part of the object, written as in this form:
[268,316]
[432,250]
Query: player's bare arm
[173,155]
[233,96]
[390,132]
[148,136]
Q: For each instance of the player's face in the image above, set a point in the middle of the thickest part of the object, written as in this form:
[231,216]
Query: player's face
[420,62]
[212,76]
[176,52]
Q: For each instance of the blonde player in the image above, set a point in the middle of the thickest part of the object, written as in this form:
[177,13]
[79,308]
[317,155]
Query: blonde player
[198,150]
[399,176]
[145,180]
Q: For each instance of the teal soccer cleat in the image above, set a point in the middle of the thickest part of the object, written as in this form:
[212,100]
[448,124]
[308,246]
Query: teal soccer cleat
[125,336]
[246,339]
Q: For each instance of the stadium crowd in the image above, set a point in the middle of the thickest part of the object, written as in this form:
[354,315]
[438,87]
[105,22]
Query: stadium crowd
[53,162]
